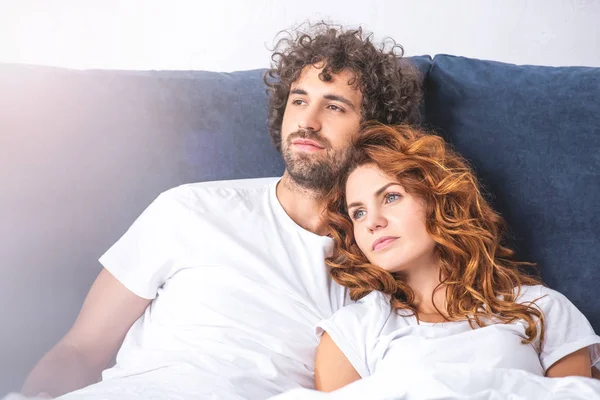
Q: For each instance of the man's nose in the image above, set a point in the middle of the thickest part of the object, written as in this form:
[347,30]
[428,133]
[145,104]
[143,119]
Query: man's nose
[310,119]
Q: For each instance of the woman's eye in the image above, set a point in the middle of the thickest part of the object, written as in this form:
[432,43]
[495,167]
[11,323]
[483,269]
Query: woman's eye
[358,214]
[391,197]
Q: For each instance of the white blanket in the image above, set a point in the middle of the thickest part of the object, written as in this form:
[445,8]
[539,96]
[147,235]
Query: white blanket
[457,382]
[448,382]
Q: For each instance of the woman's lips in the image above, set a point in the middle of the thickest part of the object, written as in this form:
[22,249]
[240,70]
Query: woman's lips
[383,242]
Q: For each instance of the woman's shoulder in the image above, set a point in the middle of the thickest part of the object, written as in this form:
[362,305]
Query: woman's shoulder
[373,306]
[540,295]
[374,300]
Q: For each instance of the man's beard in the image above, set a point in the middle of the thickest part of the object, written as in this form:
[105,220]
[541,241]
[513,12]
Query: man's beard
[316,172]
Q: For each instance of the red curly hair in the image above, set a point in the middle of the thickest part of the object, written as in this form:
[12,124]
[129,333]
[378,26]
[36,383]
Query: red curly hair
[481,279]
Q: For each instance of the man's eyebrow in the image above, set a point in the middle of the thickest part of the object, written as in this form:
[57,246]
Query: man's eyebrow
[299,91]
[377,193]
[341,99]
[333,97]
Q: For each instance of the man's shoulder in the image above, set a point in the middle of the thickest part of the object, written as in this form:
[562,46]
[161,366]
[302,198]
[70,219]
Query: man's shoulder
[226,186]
[234,184]
[213,194]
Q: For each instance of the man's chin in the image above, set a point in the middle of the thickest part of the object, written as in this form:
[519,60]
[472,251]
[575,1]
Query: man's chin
[303,176]
[302,165]
[311,180]
[307,156]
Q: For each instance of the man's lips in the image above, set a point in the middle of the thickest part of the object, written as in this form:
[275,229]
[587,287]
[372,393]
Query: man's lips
[307,143]
[383,242]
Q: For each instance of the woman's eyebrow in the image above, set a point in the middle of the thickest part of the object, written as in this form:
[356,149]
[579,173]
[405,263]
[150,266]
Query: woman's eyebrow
[377,193]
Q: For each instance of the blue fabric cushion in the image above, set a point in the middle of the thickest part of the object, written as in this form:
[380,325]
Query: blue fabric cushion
[533,136]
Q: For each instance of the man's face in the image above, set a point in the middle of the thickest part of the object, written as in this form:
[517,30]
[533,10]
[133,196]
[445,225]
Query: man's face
[319,120]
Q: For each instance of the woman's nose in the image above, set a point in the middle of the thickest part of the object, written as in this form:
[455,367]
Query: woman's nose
[376,221]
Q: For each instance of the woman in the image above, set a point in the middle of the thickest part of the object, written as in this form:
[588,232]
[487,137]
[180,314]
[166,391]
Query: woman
[422,253]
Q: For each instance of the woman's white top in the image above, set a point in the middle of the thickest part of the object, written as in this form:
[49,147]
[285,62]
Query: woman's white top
[374,336]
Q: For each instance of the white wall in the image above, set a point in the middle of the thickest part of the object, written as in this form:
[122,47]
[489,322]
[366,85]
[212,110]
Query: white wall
[234,35]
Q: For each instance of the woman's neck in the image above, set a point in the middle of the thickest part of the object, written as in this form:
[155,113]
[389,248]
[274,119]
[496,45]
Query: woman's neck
[430,296]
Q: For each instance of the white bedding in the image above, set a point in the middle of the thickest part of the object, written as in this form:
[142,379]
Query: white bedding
[457,382]
[445,381]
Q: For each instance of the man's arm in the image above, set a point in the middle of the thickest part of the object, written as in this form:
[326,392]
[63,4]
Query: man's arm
[77,360]
[332,368]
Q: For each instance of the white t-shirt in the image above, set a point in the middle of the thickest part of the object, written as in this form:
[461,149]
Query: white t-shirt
[237,286]
[375,337]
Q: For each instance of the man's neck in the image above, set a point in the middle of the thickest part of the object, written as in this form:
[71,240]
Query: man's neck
[304,206]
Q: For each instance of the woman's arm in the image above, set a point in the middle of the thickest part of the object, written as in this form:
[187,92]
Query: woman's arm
[596,372]
[574,364]
[332,368]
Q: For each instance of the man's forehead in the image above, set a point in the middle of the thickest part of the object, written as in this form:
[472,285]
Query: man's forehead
[341,87]
[312,72]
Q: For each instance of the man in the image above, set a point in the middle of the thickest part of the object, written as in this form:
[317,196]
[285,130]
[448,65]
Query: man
[215,289]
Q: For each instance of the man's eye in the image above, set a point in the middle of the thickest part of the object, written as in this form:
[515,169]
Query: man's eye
[358,214]
[297,102]
[335,108]
[391,197]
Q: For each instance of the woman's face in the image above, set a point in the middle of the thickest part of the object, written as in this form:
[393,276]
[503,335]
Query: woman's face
[389,224]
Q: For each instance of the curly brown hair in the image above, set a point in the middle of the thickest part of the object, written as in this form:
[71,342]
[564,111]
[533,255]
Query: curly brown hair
[481,278]
[390,85]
